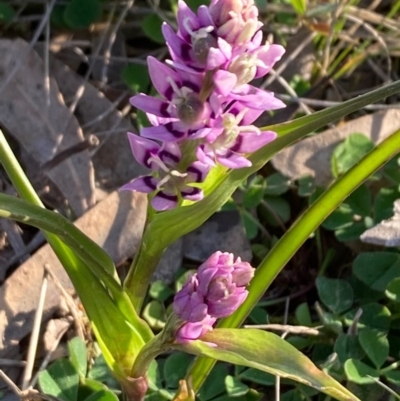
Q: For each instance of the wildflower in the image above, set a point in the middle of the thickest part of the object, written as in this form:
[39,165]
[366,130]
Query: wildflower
[206,97]
[232,136]
[169,183]
[215,291]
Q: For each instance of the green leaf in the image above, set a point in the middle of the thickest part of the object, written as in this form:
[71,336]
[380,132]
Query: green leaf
[175,368]
[195,4]
[78,355]
[234,387]
[7,12]
[250,224]
[393,376]
[360,201]
[393,290]
[377,269]
[348,153]
[292,395]
[20,210]
[351,233]
[303,315]
[348,347]
[277,207]
[383,208]
[358,372]
[374,316]
[103,395]
[154,376]
[152,28]
[60,380]
[254,194]
[214,384]
[375,345]
[80,14]
[136,77]
[300,6]
[306,185]
[277,184]
[341,218]
[258,376]
[154,314]
[101,372]
[159,291]
[336,294]
[267,352]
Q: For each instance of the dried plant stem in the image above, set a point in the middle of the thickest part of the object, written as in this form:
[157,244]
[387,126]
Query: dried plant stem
[35,335]
[68,300]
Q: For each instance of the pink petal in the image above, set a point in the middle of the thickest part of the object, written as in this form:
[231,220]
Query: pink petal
[152,105]
[146,184]
[142,148]
[250,142]
[159,73]
[224,82]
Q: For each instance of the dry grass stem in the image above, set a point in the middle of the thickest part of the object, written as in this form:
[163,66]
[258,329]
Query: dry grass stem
[33,342]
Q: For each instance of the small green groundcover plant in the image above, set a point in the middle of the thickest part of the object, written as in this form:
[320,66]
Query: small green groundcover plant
[201,147]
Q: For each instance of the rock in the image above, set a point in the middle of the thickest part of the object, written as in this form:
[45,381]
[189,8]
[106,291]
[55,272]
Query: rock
[43,130]
[224,232]
[113,160]
[312,156]
[170,262]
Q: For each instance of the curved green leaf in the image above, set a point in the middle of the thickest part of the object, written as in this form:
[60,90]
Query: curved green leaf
[220,185]
[267,352]
[46,220]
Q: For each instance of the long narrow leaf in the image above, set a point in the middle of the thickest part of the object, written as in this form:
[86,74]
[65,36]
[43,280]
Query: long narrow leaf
[269,353]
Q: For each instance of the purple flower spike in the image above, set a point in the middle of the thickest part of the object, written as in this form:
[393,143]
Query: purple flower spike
[206,97]
[215,291]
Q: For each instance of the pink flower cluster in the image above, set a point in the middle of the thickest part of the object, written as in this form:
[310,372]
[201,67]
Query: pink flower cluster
[215,291]
[206,107]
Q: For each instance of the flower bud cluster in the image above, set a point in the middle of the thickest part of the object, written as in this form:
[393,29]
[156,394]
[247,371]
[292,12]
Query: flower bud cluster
[215,291]
[206,108]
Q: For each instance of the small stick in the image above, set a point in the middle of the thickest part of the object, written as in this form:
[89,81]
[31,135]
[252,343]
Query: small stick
[12,363]
[10,383]
[286,328]
[47,358]
[35,335]
[69,301]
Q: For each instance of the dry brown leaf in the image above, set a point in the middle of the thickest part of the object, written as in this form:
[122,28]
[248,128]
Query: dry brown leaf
[43,132]
[312,156]
[113,160]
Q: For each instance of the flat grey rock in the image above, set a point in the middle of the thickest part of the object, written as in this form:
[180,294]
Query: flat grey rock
[223,232]
[312,156]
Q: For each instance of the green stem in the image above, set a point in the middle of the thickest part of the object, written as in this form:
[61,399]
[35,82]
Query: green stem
[300,231]
[393,366]
[16,174]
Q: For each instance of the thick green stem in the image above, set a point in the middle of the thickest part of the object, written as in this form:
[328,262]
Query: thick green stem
[300,231]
